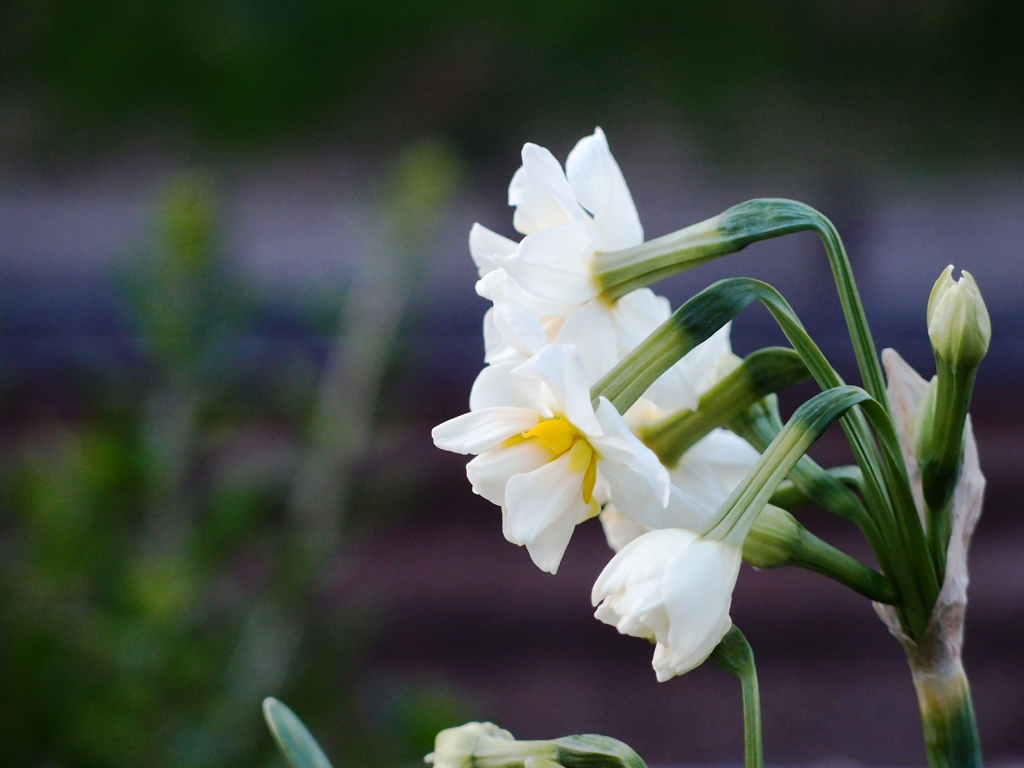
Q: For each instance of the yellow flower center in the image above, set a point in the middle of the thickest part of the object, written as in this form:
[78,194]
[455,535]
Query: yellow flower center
[559,436]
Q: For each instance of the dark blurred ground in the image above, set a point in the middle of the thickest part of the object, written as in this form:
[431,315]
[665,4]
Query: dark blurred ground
[900,121]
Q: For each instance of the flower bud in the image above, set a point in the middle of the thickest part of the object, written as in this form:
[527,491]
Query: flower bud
[772,540]
[460,747]
[778,539]
[958,322]
[485,745]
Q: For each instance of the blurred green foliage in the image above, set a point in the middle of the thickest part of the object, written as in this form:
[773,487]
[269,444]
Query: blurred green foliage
[156,574]
[946,76]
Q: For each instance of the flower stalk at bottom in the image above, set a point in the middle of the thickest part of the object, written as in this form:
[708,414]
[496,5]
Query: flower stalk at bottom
[735,656]
[947,714]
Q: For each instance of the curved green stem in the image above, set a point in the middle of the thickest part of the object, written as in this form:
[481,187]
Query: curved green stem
[900,548]
[736,657]
[619,272]
[761,423]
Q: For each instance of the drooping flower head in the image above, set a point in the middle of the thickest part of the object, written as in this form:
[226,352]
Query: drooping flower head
[674,587]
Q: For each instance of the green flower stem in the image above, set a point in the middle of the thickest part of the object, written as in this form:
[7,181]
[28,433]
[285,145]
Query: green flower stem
[947,714]
[941,454]
[736,657]
[791,497]
[901,548]
[777,539]
[737,514]
[760,424]
[761,373]
[619,272]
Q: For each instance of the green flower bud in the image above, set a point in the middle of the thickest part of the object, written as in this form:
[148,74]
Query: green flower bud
[958,321]
[778,539]
[773,539]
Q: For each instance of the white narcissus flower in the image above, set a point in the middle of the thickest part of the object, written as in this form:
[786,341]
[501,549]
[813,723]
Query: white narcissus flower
[674,587]
[545,455]
[543,288]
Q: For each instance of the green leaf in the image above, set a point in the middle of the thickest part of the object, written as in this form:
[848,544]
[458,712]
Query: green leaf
[296,742]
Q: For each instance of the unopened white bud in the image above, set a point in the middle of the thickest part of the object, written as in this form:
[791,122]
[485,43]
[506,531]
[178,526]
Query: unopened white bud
[457,747]
[958,321]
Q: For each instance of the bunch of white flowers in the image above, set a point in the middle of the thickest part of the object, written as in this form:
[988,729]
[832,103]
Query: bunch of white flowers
[596,400]
[549,456]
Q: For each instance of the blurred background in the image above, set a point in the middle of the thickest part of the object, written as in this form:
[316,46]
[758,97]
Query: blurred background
[235,294]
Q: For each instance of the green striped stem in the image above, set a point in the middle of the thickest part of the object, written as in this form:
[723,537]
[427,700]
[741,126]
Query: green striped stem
[619,272]
[761,373]
[737,513]
[759,425]
[792,497]
[947,713]
[735,656]
[778,539]
[900,548]
[940,448]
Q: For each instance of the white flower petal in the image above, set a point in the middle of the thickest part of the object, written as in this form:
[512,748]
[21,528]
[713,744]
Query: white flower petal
[538,499]
[590,329]
[684,510]
[617,445]
[484,245]
[714,466]
[547,549]
[519,328]
[482,430]
[540,193]
[673,391]
[560,368]
[490,471]
[640,560]
[600,188]
[496,349]
[725,449]
[704,363]
[496,386]
[700,481]
[491,285]
[698,585]
[637,314]
[618,529]
[555,263]
[673,586]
